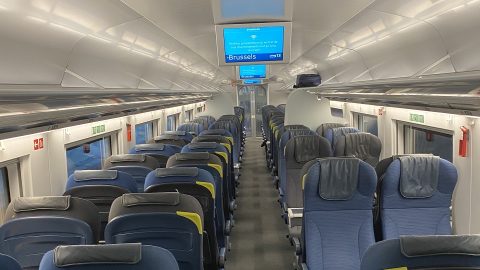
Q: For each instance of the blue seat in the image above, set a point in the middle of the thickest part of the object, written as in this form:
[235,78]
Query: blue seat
[223,153]
[412,207]
[200,184]
[109,257]
[362,145]
[212,164]
[337,216]
[333,134]
[170,220]
[322,129]
[38,224]
[9,263]
[159,151]
[172,139]
[219,132]
[282,172]
[232,127]
[424,252]
[191,127]
[137,165]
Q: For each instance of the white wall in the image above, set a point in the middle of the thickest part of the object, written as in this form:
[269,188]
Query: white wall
[219,105]
[305,109]
[466,217]
[276,98]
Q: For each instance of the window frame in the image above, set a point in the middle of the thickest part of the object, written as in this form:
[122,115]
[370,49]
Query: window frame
[339,109]
[151,129]
[189,115]
[401,138]
[358,121]
[14,185]
[176,117]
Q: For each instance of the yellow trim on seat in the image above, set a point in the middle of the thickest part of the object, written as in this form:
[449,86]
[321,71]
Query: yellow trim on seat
[195,218]
[231,140]
[224,155]
[228,146]
[398,268]
[303,181]
[217,167]
[207,185]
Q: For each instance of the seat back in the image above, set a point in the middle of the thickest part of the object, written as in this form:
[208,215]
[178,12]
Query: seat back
[282,107]
[322,129]
[159,151]
[235,131]
[199,184]
[424,252]
[364,146]
[182,134]
[9,263]
[101,187]
[240,113]
[170,220]
[298,151]
[203,122]
[172,139]
[333,134]
[137,165]
[337,216]
[282,171]
[415,196]
[192,128]
[219,132]
[36,225]
[212,164]
[108,257]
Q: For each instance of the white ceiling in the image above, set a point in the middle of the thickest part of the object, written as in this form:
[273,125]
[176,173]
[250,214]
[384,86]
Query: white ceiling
[170,44]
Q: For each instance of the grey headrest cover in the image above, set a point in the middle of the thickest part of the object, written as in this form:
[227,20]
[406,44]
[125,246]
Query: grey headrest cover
[180,171]
[128,158]
[210,138]
[101,254]
[338,178]
[150,147]
[88,175]
[206,145]
[364,146]
[295,127]
[178,133]
[418,176]
[168,137]
[416,246]
[214,132]
[26,204]
[306,148]
[192,156]
[164,198]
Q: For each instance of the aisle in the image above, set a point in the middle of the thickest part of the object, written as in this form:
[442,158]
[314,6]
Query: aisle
[258,239]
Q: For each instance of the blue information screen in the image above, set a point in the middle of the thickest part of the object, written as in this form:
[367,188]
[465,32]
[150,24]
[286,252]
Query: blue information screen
[254,44]
[253,72]
[252,81]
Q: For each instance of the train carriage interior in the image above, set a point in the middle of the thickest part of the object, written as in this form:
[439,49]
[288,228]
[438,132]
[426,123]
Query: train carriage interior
[239,134]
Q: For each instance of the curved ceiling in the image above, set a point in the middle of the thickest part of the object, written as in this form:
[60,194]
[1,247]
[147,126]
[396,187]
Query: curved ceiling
[170,45]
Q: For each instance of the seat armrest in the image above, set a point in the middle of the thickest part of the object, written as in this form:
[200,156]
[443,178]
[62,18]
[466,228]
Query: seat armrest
[222,257]
[228,227]
[298,246]
[303,266]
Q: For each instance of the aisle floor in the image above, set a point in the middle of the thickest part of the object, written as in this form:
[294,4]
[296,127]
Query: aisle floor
[259,236]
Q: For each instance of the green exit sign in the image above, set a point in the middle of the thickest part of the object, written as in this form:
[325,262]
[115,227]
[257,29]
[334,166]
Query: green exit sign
[98,129]
[417,118]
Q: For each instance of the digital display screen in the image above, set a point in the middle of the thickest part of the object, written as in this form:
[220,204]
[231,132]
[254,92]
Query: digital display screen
[252,81]
[254,44]
[253,72]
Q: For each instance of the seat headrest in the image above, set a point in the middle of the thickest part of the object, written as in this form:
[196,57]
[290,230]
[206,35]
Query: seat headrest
[150,147]
[418,176]
[295,127]
[26,204]
[167,137]
[364,146]
[192,156]
[128,158]
[338,178]
[419,246]
[65,256]
[179,171]
[177,132]
[88,175]
[206,138]
[203,145]
[306,148]
[164,198]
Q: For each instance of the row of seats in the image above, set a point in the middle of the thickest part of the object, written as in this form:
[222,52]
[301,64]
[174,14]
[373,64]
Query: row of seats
[330,178]
[177,192]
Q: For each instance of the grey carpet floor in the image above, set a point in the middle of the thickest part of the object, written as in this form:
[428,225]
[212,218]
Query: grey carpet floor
[259,236]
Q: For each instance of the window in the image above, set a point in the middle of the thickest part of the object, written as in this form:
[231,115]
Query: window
[89,155]
[10,185]
[189,115]
[143,132]
[367,123]
[201,108]
[421,140]
[336,112]
[173,121]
